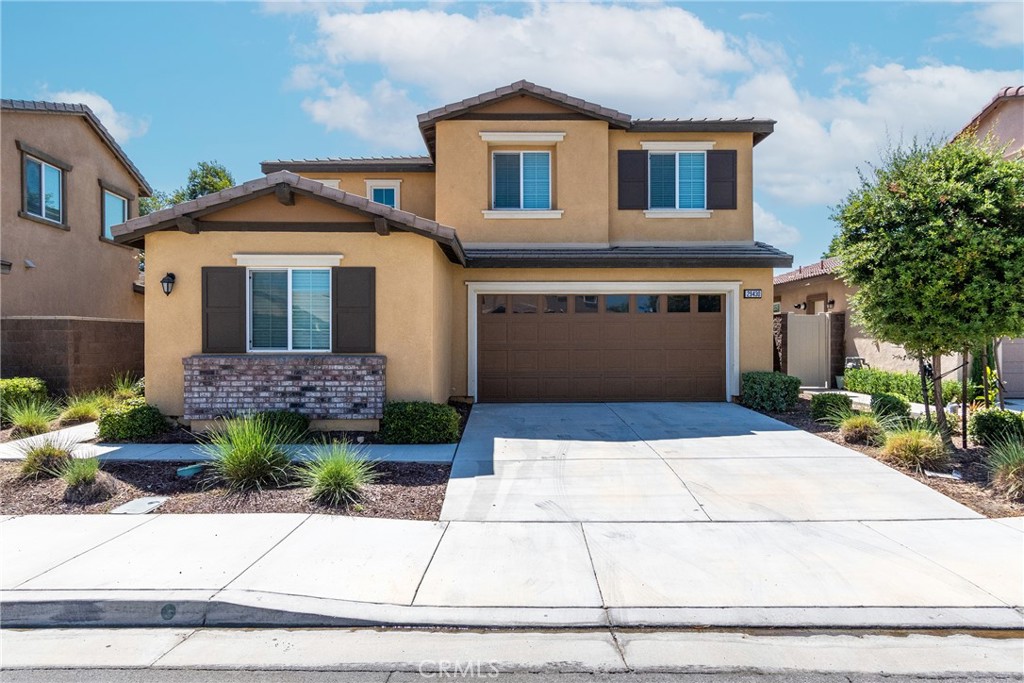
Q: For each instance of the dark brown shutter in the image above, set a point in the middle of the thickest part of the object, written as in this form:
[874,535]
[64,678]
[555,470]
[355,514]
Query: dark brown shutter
[354,318]
[632,179]
[223,310]
[722,179]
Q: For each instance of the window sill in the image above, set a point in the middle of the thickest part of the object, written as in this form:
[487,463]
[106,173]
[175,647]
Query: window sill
[523,214]
[673,213]
[43,221]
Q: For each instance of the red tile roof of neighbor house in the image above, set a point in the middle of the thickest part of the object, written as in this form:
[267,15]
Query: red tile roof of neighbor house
[823,267]
[1006,93]
[38,107]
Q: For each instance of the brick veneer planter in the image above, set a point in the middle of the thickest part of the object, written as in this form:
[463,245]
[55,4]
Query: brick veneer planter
[320,386]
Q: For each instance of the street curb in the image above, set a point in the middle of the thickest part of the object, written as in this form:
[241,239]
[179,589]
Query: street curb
[235,608]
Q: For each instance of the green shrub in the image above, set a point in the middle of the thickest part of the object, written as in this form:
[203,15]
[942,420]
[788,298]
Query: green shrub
[892,405]
[79,471]
[1006,464]
[19,389]
[293,425]
[419,422]
[45,458]
[862,428]
[85,482]
[830,404]
[915,448]
[31,416]
[906,384]
[125,386]
[85,407]
[247,454]
[990,425]
[770,391]
[131,420]
[336,474]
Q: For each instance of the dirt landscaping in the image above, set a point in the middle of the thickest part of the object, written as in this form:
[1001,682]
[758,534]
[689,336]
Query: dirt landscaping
[402,491]
[972,490]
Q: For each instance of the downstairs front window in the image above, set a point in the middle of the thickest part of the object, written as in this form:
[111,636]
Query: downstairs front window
[290,309]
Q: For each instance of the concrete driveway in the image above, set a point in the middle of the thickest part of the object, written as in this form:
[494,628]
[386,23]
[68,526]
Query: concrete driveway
[658,462]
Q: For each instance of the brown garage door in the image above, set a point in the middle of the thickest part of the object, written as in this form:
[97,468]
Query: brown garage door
[614,347]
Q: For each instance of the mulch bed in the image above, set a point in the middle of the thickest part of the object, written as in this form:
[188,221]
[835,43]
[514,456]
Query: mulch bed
[972,491]
[402,491]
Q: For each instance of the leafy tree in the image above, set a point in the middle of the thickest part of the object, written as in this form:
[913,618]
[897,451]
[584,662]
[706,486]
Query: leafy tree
[934,240]
[206,178]
[159,200]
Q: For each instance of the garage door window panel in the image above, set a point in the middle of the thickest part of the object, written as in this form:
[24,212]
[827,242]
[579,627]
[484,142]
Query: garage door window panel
[616,303]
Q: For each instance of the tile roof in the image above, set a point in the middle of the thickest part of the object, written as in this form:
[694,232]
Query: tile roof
[698,255]
[823,267]
[342,164]
[36,106]
[134,230]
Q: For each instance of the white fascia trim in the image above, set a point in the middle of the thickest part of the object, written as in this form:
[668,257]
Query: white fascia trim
[730,289]
[678,146]
[677,213]
[524,136]
[288,260]
[523,214]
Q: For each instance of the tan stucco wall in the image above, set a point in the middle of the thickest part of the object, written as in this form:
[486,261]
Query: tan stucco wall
[76,273]
[416,195]
[1006,124]
[406,301]
[755,331]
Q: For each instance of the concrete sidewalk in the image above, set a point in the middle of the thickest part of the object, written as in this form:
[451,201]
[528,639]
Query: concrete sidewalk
[192,570]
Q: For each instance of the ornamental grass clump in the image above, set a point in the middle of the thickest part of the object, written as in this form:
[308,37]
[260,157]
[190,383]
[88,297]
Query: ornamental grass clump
[916,448]
[1005,462]
[86,484]
[861,428]
[247,454]
[30,416]
[336,474]
[125,385]
[45,458]
[84,407]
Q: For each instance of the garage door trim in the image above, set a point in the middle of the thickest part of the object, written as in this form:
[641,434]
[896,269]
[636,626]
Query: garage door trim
[731,291]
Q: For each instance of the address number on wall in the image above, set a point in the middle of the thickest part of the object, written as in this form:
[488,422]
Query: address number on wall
[751,293]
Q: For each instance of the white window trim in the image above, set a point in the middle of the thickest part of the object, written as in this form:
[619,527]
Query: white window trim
[42,190]
[678,146]
[731,291]
[385,184]
[523,214]
[105,217]
[523,137]
[248,313]
[519,213]
[288,260]
[678,212]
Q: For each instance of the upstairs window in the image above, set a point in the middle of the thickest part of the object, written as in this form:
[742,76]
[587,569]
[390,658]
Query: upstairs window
[387,192]
[677,180]
[521,180]
[115,212]
[44,190]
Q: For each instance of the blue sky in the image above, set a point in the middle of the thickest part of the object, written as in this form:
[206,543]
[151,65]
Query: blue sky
[241,82]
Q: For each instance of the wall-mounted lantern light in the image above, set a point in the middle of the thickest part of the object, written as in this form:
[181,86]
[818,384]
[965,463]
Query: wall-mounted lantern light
[167,283]
[800,307]
[830,304]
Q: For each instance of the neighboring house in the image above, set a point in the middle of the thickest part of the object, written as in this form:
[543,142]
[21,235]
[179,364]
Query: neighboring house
[1003,120]
[814,289]
[546,249]
[70,309]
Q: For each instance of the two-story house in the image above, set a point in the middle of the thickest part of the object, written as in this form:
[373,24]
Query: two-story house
[71,311]
[545,249]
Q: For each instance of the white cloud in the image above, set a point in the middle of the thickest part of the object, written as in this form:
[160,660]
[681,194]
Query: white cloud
[769,228]
[647,60]
[1000,24]
[122,126]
